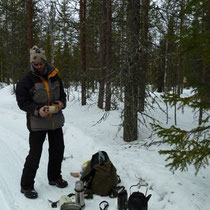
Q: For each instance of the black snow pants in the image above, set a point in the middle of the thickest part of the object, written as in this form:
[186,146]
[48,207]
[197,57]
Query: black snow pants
[56,150]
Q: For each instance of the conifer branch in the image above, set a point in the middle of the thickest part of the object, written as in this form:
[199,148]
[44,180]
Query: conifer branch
[188,147]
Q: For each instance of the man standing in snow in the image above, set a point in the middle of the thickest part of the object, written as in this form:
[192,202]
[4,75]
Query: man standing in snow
[41,95]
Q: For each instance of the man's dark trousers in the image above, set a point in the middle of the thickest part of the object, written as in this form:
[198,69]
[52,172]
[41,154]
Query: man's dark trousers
[56,150]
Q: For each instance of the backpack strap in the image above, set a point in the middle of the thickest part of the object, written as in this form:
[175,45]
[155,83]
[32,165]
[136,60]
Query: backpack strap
[116,191]
[88,194]
[105,207]
[118,179]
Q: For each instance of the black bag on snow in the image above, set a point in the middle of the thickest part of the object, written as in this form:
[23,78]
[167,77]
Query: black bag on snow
[100,176]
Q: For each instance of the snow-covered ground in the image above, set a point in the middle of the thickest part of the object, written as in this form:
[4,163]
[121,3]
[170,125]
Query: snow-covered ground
[83,137]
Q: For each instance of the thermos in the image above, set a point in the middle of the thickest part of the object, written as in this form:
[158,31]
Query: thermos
[79,193]
[122,200]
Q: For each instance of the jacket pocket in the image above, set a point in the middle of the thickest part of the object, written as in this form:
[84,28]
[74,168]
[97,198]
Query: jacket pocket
[55,91]
[40,94]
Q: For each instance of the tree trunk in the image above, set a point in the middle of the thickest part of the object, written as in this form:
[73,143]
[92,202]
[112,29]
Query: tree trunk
[180,76]
[83,48]
[205,95]
[101,93]
[29,13]
[108,53]
[130,124]
[144,55]
[51,29]
[103,59]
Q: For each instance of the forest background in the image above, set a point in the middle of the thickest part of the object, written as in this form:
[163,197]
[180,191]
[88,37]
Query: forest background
[123,50]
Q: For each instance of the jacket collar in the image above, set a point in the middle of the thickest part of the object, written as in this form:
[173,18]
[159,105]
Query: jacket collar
[51,71]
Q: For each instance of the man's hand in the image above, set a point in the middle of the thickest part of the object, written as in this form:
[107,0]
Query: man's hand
[42,112]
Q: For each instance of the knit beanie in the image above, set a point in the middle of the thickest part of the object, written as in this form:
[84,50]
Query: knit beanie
[37,54]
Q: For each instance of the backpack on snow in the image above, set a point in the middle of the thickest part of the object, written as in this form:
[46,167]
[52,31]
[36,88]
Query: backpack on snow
[100,176]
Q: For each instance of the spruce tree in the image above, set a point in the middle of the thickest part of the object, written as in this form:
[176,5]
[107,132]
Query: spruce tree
[192,146]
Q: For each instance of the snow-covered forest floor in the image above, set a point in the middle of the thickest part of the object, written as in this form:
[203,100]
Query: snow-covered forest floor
[84,135]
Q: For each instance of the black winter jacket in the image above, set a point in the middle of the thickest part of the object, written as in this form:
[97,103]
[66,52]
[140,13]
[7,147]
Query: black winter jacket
[34,91]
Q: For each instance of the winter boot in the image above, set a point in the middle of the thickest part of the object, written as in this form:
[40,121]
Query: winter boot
[59,183]
[29,193]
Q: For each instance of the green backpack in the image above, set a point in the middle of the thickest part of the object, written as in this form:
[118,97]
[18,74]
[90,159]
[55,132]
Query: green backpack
[100,176]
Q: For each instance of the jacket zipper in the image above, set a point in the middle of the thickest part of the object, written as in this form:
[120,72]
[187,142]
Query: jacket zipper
[46,84]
